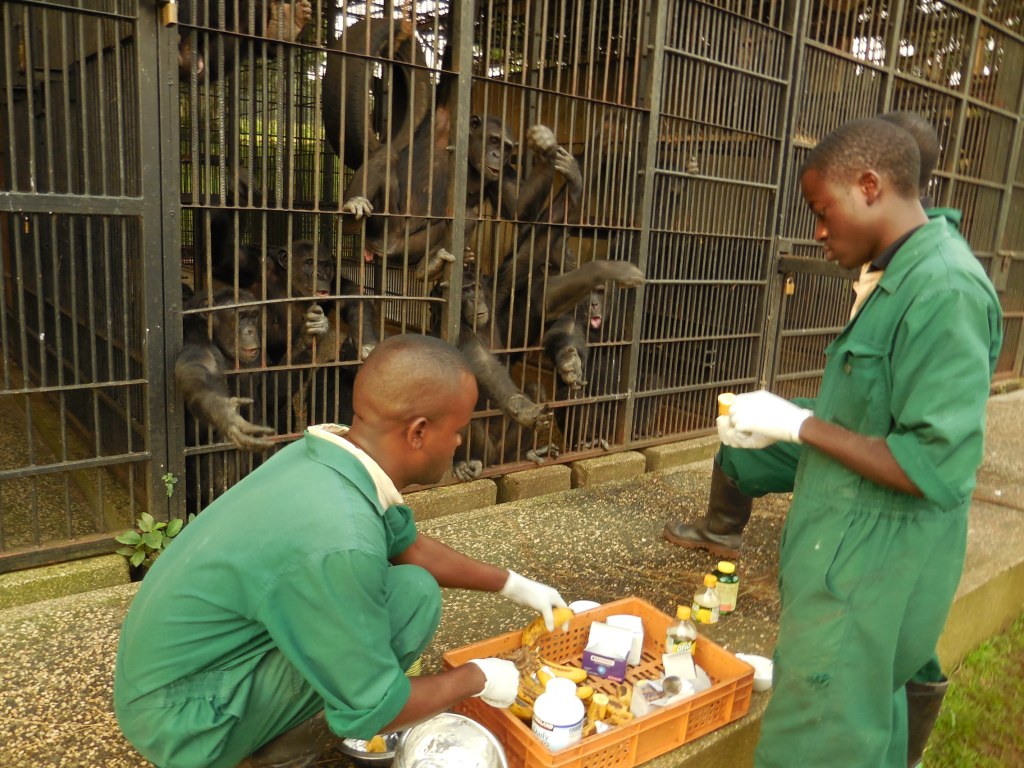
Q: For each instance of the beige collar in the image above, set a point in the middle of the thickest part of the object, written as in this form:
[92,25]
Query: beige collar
[387,493]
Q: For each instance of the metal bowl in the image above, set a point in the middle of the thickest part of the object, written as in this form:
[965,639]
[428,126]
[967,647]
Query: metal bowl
[356,749]
[449,741]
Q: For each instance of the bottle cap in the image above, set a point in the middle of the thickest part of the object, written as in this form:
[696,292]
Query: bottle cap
[682,612]
[561,686]
[725,401]
[710,580]
[726,567]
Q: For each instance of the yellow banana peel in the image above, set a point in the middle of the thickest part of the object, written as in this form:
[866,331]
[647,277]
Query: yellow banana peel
[536,629]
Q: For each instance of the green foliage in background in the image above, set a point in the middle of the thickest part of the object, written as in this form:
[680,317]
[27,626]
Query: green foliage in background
[980,722]
[143,544]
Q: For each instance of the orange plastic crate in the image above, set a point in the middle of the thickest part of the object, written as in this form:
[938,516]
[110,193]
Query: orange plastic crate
[643,738]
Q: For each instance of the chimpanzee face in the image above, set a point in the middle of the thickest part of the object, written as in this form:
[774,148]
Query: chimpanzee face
[312,268]
[235,330]
[490,146]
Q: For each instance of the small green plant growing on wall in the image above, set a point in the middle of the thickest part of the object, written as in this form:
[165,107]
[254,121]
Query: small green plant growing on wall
[142,545]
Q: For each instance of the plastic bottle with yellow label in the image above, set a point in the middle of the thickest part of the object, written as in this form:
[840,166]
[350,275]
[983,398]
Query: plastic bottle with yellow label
[707,603]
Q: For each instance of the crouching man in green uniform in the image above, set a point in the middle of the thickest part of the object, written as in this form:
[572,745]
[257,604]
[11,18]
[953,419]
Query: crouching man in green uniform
[287,613]
[874,542]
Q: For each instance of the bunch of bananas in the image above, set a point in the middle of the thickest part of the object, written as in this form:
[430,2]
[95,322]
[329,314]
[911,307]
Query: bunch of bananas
[535,671]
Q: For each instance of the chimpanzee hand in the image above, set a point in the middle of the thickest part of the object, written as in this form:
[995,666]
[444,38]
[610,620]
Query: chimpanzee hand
[359,207]
[467,470]
[570,368]
[317,323]
[566,165]
[241,432]
[524,411]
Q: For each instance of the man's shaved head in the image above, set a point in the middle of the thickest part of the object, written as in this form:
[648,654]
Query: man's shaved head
[408,376]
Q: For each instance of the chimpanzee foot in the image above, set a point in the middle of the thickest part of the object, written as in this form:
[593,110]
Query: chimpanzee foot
[526,412]
[286,21]
[431,267]
[626,275]
[541,453]
[467,470]
[570,367]
[358,206]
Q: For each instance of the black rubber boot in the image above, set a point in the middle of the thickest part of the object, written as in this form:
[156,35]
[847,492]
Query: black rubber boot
[721,530]
[923,703]
[295,748]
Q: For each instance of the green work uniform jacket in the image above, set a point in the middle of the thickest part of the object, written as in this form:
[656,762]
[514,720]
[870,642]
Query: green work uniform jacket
[292,560]
[867,574]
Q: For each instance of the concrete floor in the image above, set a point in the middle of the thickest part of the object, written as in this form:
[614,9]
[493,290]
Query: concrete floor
[602,543]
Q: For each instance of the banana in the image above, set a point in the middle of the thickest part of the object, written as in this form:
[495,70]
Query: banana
[618,716]
[575,674]
[584,693]
[521,710]
[529,689]
[624,694]
[544,674]
[598,708]
[536,629]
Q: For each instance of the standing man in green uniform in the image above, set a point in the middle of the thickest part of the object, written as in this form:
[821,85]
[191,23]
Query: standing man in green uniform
[739,475]
[873,544]
[286,614]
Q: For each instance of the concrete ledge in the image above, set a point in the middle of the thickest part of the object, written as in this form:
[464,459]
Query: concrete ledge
[607,469]
[437,502]
[673,455]
[534,482]
[73,577]
[980,613]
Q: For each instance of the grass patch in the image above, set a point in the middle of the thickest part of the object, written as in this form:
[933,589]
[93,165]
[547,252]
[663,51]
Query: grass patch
[980,722]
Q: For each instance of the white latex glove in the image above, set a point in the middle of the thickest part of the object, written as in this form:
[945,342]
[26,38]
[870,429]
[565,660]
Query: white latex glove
[732,437]
[502,681]
[533,594]
[763,414]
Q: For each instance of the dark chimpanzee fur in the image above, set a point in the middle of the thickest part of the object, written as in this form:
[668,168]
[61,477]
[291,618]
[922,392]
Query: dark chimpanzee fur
[213,343]
[490,177]
[217,54]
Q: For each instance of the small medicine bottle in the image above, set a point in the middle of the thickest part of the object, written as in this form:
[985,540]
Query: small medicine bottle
[728,586]
[707,602]
[558,715]
[681,636]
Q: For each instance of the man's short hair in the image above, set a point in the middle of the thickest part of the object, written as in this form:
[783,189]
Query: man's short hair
[868,144]
[927,140]
[410,375]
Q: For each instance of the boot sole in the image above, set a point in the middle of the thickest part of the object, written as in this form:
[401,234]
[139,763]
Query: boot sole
[715,549]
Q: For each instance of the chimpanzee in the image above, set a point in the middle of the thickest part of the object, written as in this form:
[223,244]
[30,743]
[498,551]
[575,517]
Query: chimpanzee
[213,343]
[262,18]
[480,332]
[425,163]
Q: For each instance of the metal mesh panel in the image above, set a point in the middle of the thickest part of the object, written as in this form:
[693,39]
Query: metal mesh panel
[70,101]
[724,90]
[935,44]
[995,74]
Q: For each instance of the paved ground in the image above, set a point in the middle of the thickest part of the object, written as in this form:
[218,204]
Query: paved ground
[600,543]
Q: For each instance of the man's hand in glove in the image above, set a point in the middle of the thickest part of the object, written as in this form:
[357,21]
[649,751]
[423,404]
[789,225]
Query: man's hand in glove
[764,415]
[533,594]
[732,437]
[502,681]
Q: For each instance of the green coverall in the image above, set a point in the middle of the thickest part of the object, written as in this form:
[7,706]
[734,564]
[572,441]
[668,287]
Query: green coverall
[773,469]
[277,602]
[867,574]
